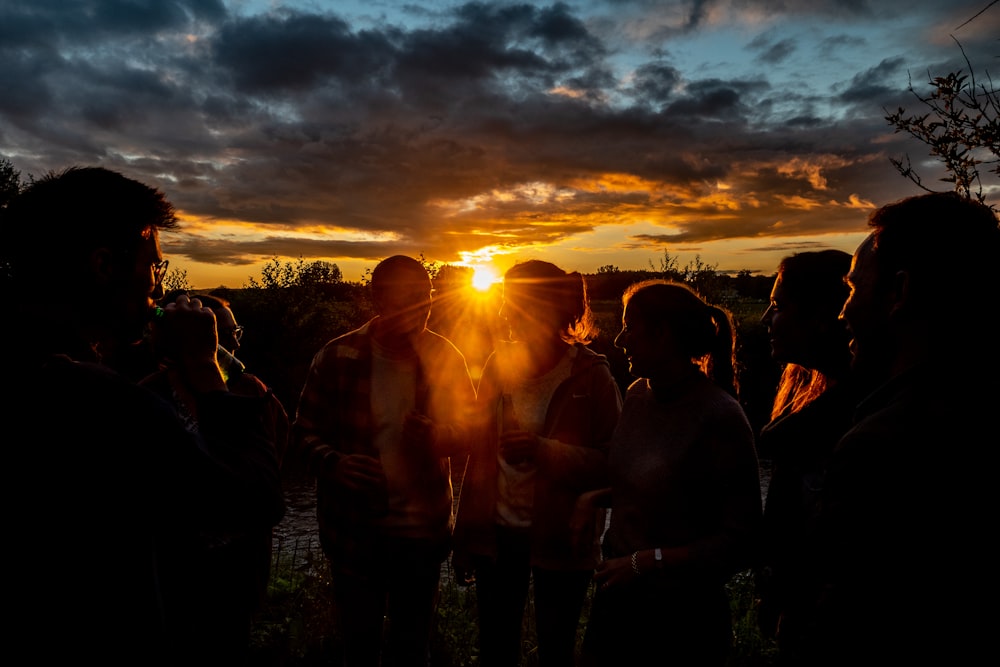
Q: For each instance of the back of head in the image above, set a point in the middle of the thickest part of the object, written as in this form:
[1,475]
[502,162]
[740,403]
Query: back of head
[397,271]
[703,332]
[554,290]
[938,239]
[50,229]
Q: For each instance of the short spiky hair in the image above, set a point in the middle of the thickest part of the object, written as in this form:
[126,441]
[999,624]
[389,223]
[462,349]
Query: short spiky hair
[50,228]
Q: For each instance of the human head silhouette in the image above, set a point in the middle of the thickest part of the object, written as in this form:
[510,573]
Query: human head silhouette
[401,292]
[667,327]
[910,301]
[542,300]
[86,239]
[803,317]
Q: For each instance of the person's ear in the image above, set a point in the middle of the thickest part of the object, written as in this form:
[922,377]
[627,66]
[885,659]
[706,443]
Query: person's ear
[899,295]
[101,265]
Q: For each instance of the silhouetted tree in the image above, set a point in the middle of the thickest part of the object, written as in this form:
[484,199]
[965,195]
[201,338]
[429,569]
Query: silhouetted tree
[960,127]
[669,268]
[278,274]
[289,312]
[705,278]
[10,181]
[176,279]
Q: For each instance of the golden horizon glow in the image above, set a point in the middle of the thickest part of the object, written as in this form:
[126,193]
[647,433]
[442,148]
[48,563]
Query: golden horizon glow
[484,277]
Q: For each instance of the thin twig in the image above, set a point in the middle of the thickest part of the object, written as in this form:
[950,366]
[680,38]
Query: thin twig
[978,14]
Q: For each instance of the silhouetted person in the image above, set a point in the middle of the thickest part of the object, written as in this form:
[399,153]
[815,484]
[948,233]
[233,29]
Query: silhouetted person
[231,565]
[382,409]
[107,486]
[812,409]
[904,535]
[547,408]
[684,488]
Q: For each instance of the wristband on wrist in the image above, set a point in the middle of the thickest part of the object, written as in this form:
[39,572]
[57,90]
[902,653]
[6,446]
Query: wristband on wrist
[658,555]
[635,562]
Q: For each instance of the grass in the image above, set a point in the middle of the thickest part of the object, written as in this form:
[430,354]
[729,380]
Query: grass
[750,647]
[296,629]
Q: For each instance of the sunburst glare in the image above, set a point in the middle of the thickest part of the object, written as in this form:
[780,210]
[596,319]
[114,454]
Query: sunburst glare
[484,277]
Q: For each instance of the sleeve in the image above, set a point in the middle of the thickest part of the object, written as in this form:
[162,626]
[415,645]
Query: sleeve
[231,465]
[576,451]
[313,426]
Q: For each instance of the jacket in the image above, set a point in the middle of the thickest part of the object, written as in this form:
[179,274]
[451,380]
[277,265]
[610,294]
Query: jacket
[334,418]
[572,459]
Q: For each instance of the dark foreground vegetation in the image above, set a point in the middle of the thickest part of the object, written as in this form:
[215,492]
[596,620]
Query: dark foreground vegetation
[296,629]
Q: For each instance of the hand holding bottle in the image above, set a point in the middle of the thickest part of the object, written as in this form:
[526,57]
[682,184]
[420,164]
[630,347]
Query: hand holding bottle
[187,335]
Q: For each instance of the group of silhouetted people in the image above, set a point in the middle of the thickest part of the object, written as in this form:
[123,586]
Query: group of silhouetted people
[142,507]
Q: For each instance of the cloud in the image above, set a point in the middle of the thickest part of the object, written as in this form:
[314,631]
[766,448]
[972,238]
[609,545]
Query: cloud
[873,85]
[288,52]
[489,124]
[773,52]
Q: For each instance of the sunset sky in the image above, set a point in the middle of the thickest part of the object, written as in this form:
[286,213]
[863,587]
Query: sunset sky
[585,133]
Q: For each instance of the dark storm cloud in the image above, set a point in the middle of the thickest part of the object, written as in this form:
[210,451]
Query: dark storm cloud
[301,119]
[291,51]
[876,85]
[776,52]
[716,99]
[695,14]
[25,24]
[241,252]
[655,83]
[832,45]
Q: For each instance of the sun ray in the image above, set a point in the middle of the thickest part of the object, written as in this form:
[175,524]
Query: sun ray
[484,277]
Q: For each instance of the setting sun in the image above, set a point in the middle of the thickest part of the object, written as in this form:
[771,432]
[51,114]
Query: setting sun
[484,277]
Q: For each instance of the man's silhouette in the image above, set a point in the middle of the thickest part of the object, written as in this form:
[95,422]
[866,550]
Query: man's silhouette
[382,410]
[106,487]
[904,545]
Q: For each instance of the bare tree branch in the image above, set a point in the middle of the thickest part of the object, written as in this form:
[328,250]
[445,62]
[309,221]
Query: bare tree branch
[978,14]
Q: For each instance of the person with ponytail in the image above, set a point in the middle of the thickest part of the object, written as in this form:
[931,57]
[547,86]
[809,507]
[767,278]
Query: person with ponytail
[684,488]
[548,406]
